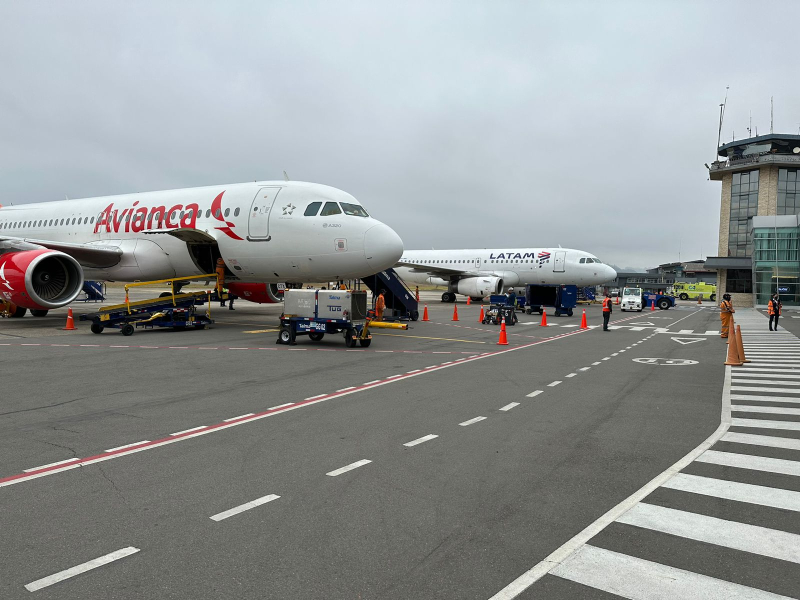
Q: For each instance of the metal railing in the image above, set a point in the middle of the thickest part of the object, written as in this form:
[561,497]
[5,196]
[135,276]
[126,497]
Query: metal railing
[734,163]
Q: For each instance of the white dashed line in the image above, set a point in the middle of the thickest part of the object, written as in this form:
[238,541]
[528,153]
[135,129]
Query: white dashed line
[373,381]
[421,440]
[471,421]
[315,397]
[570,375]
[281,405]
[607,358]
[82,568]
[553,384]
[508,407]
[198,428]
[347,389]
[349,467]
[536,393]
[239,417]
[127,446]
[594,364]
[584,368]
[61,462]
[240,509]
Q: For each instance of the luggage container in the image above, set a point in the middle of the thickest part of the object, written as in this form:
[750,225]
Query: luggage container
[564,298]
[317,312]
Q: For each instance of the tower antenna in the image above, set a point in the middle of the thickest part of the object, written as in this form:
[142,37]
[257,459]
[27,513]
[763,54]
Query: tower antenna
[721,117]
[771,112]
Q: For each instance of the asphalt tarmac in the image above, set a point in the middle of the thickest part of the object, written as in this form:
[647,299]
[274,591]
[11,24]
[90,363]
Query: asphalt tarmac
[433,464]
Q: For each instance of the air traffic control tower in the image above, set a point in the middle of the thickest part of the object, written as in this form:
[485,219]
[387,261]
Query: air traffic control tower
[759,227]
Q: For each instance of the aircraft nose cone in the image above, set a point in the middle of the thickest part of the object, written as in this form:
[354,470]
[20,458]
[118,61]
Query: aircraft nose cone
[612,274]
[382,247]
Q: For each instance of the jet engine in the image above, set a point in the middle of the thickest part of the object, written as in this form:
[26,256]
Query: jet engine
[39,279]
[477,287]
[261,293]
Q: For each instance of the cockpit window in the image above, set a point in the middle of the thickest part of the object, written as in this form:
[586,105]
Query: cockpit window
[354,210]
[330,208]
[582,261]
[312,209]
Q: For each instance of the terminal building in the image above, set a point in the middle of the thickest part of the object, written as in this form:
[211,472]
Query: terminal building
[758,225]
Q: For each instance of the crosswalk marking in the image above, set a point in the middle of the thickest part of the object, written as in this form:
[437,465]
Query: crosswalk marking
[764,424]
[720,532]
[734,490]
[640,579]
[748,461]
[749,398]
[776,410]
[761,440]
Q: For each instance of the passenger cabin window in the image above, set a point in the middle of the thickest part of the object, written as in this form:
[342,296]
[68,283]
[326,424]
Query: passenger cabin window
[312,209]
[330,209]
[354,210]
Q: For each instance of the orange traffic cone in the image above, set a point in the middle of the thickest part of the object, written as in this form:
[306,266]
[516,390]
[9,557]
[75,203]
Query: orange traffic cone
[733,352]
[70,322]
[544,319]
[653,304]
[740,345]
[583,320]
[482,316]
[455,312]
[425,314]
[503,340]
[469,300]
[699,299]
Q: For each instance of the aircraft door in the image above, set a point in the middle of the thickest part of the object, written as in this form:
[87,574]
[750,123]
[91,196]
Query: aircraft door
[260,211]
[558,262]
[476,263]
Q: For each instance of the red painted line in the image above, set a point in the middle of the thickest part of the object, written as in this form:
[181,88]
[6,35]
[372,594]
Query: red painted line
[22,477]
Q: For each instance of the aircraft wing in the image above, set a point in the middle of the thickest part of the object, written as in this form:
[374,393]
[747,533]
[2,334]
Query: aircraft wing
[88,255]
[437,271]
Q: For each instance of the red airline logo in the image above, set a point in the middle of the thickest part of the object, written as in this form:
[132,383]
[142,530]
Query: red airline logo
[216,211]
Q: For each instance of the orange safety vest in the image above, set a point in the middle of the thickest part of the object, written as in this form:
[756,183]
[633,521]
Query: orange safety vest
[771,308]
[726,307]
[607,305]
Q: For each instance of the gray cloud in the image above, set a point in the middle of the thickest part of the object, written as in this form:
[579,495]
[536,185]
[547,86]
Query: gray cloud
[460,124]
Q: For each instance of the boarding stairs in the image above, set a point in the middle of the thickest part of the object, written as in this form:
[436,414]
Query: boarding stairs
[401,303]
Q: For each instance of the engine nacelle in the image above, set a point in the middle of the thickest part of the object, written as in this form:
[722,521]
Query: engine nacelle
[40,279]
[261,293]
[477,287]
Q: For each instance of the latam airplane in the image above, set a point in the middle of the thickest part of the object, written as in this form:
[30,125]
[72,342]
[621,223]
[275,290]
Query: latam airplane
[478,273]
[267,233]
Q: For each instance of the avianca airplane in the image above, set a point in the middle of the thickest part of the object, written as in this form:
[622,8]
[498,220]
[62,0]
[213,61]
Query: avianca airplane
[478,273]
[267,232]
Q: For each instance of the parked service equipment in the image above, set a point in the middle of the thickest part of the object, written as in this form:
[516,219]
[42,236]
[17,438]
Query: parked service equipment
[693,291]
[564,298]
[317,312]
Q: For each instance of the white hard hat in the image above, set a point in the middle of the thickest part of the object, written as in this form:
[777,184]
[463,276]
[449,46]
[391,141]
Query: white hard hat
[510,289]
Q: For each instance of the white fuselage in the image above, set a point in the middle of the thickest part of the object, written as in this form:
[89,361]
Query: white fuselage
[517,267]
[260,230]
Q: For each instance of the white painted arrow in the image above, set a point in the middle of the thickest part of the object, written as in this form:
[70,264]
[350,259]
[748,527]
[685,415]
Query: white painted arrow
[686,341]
[638,323]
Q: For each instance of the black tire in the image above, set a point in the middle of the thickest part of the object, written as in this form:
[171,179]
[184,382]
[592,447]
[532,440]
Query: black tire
[365,343]
[713,297]
[557,313]
[19,312]
[285,336]
[96,328]
[39,313]
[349,338]
[165,295]
[664,304]
[316,336]
[541,311]
[684,296]
[127,329]
[527,311]
[414,315]
[569,312]
[446,297]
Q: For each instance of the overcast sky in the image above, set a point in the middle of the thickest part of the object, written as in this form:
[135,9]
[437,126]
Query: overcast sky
[461,125]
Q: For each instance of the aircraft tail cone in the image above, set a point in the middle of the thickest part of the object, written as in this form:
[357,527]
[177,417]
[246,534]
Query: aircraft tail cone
[455,313]
[425,314]
[503,340]
[733,351]
[482,316]
[544,319]
[583,320]
[740,345]
[70,322]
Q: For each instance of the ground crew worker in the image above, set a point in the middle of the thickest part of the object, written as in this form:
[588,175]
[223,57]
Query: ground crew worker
[511,299]
[220,276]
[606,311]
[380,306]
[774,309]
[725,315]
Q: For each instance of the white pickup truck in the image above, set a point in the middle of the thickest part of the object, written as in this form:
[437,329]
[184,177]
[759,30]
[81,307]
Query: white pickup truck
[632,299]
